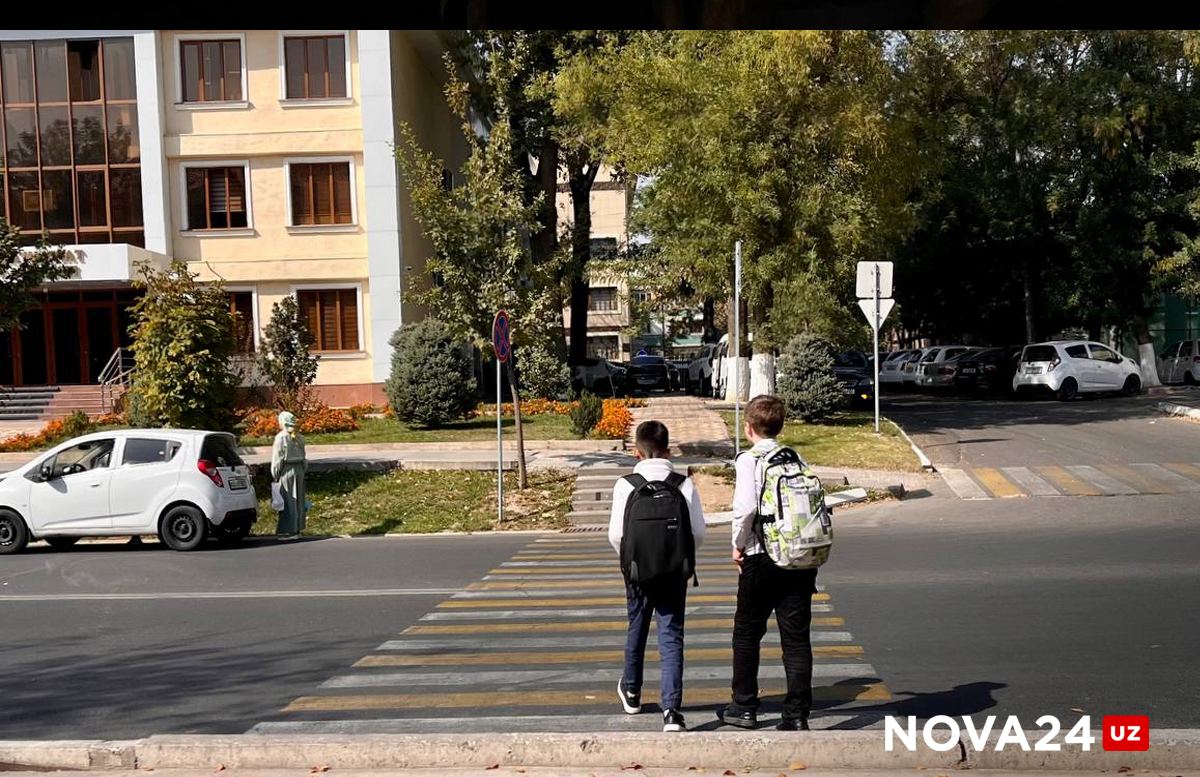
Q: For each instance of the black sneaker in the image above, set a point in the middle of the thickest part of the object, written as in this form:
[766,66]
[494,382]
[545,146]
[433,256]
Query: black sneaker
[630,700]
[732,716]
[793,724]
[673,721]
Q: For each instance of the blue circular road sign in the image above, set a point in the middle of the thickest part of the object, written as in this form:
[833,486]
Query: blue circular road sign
[500,336]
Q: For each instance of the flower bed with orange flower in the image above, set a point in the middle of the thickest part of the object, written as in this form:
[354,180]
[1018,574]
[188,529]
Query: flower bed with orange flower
[263,422]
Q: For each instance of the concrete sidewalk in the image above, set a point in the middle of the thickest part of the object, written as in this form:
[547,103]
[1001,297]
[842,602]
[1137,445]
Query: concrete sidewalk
[558,771]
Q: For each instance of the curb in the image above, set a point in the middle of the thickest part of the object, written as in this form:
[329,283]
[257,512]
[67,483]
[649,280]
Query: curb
[1176,749]
[1170,408]
[926,464]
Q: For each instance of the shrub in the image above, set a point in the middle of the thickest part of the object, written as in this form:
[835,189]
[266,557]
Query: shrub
[586,414]
[52,433]
[542,374]
[76,423]
[285,357]
[806,380]
[614,421]
[362,410]
[431,382]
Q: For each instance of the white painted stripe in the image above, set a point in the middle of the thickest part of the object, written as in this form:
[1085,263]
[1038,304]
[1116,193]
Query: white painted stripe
[962,484]
[519,578]
[1030,481]
[516,679]
[561,614]
[1173,479]
[722,563]
[1100,480]
[551,593]
[470,643]
[535,723]
[184,595]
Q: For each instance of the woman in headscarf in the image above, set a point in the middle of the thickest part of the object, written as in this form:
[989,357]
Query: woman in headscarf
[288,465]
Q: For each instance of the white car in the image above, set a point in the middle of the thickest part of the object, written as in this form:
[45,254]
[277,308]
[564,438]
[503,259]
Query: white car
[911,365]
[181,484]
[1180,363]
[597,376]
[936,368]
[700,370]
[889,368]
[1070,367]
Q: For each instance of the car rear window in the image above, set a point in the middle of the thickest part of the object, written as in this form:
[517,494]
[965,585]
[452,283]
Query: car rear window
[640,360]
[1077,351]
[220,450]
[931,355]
[146,450]
[1039,353]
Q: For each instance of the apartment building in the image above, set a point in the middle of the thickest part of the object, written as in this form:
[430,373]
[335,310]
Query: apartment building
[261,157]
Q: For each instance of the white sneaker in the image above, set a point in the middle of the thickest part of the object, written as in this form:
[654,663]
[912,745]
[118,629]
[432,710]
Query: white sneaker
[673,721]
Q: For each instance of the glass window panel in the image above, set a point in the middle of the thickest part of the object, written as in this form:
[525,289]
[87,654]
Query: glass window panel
[301,199]
[50,56]
[83,67]
[17,59]
[120,83]
[322,196]
[337,66]
[88,124]
[93,199]
[191,72]
[197,206]
[24,202]
[126,194]
[329,322]
[21,127]
[132,237]
[341,193]
[57,202]
[317,65]
[293,56]
[55,136]
[123,143]
[236,190]
[211,71]
[94,237]
[349,322]
[233,70]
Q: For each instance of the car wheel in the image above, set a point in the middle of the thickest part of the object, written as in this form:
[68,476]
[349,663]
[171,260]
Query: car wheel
[1189,379]
[1133,386]
[61,543]
[183,528]
[13,534]
[1068,390]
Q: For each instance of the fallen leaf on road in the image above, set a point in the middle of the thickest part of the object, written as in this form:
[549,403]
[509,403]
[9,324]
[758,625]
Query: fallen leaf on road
[1125,770]
[797,766]
[220,768]
[632,767]
[589,697]
[318,769]
[519,770]
[729,773]
[493,766]
[1076,709]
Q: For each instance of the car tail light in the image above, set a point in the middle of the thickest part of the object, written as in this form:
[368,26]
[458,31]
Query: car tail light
[211,471]
[1055,362]
[989,367]
[1196,359]
[945,371]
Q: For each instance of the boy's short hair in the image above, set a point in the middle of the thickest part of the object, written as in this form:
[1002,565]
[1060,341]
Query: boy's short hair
[652,439]
[766,415]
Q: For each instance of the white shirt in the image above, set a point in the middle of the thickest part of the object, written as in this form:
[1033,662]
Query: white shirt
[653,469]
[746,491]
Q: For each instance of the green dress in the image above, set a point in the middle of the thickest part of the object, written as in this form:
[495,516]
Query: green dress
[288,465]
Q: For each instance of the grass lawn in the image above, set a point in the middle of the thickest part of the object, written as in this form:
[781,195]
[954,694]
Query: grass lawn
[715,483]
[418,502]
[546,426]
[847,441]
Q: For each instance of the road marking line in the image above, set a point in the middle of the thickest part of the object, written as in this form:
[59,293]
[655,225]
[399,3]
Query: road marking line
[581,601]
[1177,482]
[1132,477]
[558,612]
[514,678]
[1187,470]
[581,582]
[730,590]
[994,481]
[721,561]
[579,656]
[565,698]
[515,723]
[524,642]
[1034,485]
[961,484]
[185,595]
[567,628]
[1068,483]
[1104,482]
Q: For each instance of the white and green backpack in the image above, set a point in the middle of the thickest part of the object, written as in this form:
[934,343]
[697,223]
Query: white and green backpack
[794,524]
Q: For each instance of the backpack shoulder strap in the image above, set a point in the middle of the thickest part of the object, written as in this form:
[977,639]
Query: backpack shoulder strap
[635,480]
[676,479]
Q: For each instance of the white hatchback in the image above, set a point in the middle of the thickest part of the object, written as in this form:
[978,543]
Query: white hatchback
[1180,363]
[1070,367]
[182,484]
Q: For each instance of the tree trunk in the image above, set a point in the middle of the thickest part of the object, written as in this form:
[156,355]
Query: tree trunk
[710,320]
[762,374]
[1027,284]
[544,244]
[522,476]
[581,173]
[1147,358]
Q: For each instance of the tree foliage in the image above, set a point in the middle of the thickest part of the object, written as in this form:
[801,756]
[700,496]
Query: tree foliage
[431,382]
[806,380]
[23,270]
[285,356]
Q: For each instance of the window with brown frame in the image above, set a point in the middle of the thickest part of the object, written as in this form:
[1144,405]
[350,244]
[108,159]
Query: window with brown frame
[332,317]
[321,193]
[315,67]
[241,305]
[216,198]
[210,70]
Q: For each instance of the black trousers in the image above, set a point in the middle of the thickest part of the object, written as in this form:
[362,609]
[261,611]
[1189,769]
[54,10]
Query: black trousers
[764,588]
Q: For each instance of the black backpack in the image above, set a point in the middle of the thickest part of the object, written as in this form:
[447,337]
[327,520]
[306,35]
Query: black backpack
[657,546]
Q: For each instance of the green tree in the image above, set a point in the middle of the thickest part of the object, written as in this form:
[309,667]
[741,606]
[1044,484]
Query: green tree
[23,270]
[183,345]
[285,356]
[431,382]
[807,382]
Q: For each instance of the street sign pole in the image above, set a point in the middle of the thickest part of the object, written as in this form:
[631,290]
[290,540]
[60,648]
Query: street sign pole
[873,285]
[737,348]
[875,358]
[501,345]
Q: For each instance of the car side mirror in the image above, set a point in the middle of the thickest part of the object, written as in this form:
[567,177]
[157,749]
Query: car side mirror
[46,472]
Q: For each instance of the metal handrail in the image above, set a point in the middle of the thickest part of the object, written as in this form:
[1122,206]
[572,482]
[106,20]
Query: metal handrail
[117,372]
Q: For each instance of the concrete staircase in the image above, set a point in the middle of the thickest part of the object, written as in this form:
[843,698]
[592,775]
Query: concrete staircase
[89,399]
[591,505]
[46,403]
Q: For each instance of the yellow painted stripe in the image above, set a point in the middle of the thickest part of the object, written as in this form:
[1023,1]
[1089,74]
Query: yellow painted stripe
[993,480]
[517,585]
[584,601]
[1187,470]
[1068,483]
[1131,477]
[584,626]
[702,567]
[578,656]
[843,692]
[608,556]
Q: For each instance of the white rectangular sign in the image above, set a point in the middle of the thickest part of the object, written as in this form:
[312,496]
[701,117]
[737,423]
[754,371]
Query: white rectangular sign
[868,309]
[865,284]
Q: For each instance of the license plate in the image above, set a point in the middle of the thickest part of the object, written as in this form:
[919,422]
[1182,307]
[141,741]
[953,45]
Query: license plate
[1033,370]
[966,371]
[647,380]
[848,391]
[237,484]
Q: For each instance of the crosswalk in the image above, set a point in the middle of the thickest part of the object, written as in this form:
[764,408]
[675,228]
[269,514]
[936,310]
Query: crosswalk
[1072,480]
[537,645]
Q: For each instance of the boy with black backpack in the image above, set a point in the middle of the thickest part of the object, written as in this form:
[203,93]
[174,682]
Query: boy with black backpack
[781,533]
[656,525]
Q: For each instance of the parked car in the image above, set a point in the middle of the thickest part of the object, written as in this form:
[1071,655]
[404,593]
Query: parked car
[890,367]
[720,369]
[597,376]
[679,375]
[936,368]
[1070,367]
[1180,363]
[854,371]
[910,367]
[700,370]
[649,373]
[991,369]
[183,485]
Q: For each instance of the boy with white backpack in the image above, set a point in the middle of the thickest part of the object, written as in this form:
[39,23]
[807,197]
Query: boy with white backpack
[781,534]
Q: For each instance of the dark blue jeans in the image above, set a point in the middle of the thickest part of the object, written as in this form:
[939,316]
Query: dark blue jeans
[668,604]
